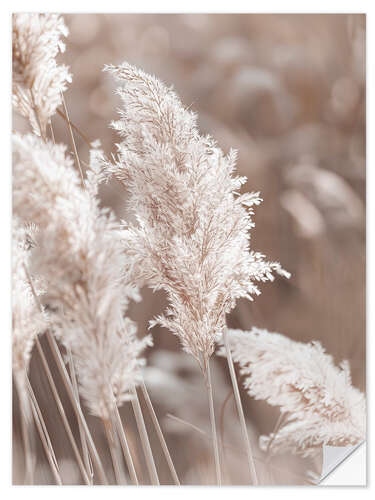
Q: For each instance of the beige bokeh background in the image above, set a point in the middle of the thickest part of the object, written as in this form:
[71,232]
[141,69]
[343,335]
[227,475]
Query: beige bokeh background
[287,91]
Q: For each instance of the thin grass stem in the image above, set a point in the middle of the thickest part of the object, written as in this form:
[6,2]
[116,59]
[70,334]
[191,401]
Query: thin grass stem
[159,433]
[44,436]
[187,424]
[207,376]
[144,438]
[124,445]
[222,431]
[222,413]
[73,140]
[84,137]
[51,130]
[85,451]
[116,459]
[241,416]
[276,429]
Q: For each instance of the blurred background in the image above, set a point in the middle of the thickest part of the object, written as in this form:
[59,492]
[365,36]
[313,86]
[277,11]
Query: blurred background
[287,91]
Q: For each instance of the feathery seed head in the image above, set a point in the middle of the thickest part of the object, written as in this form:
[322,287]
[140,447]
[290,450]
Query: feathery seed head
[318,402]
[38,80]
[81,256]
[192,233]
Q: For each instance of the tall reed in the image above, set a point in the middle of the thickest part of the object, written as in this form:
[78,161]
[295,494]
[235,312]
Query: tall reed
[192,232]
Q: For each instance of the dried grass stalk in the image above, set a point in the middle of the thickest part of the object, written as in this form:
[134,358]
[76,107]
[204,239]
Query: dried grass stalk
[38,81]
[192,236]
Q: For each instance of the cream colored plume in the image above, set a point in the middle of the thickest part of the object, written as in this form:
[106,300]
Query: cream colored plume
[319,404]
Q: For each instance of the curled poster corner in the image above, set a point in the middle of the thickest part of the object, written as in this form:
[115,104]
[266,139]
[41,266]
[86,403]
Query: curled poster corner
[344,466]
